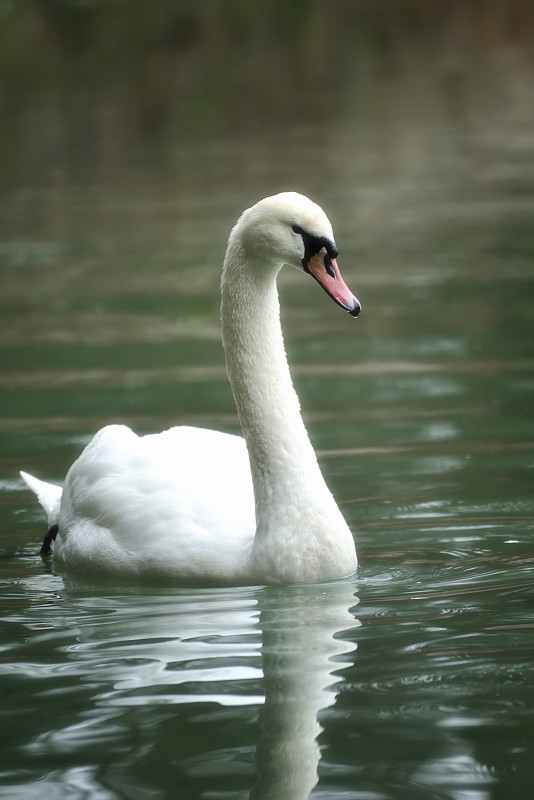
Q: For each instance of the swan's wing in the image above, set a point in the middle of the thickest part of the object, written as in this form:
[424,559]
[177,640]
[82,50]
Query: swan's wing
[184,495]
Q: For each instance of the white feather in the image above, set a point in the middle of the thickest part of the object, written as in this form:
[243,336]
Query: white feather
[48,494]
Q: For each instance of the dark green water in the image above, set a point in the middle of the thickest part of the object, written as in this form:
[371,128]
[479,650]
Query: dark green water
[415,679]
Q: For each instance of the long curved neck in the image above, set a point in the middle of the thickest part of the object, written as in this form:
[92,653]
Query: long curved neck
[285,473]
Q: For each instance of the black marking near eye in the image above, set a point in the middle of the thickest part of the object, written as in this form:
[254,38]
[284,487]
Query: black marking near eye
[328,266]
[313,244]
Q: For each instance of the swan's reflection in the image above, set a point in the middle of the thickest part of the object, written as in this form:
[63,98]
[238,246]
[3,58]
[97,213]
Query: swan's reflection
[301,637]
[274,647]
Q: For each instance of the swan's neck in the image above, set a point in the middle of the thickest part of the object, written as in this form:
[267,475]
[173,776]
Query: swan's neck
[281,456]
[295,511]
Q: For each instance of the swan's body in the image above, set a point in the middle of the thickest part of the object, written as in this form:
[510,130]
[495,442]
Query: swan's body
[196,504]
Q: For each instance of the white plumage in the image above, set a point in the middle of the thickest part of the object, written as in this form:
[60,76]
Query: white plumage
[200,505]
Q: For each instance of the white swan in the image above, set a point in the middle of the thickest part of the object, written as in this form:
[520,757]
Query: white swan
[200,505]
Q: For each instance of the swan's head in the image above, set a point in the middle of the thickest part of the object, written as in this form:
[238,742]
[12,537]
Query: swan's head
[288,228]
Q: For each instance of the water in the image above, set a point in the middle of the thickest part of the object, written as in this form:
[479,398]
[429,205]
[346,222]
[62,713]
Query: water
[415,678]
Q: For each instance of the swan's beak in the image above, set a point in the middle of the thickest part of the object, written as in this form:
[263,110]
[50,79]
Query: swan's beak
[326,272]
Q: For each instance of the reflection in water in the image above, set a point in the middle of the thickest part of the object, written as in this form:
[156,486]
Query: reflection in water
[168,668]
[300,643]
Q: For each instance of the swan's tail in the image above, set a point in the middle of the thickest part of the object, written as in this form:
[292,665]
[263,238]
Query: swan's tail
[48,494]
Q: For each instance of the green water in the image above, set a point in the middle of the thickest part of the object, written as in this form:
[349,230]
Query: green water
[413,680]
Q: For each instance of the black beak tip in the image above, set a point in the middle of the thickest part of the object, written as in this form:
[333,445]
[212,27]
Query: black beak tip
[356,308]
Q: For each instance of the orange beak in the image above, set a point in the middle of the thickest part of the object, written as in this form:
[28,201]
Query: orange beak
[326,272]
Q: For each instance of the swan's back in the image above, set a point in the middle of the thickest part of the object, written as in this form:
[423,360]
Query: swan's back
[179,502]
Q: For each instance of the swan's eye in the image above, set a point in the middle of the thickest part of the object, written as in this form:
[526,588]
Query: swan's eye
[314,244]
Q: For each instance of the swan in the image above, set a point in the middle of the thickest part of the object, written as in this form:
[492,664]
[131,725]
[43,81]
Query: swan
[197,505]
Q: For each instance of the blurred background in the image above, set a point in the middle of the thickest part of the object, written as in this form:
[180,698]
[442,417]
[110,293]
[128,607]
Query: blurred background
[133,133]
[131,109]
